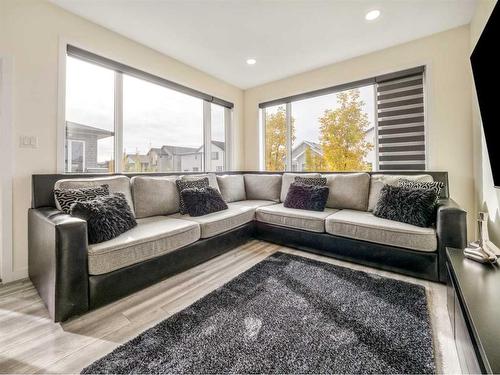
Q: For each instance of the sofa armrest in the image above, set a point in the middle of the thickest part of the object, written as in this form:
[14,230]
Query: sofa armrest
[451,230]
[57,259]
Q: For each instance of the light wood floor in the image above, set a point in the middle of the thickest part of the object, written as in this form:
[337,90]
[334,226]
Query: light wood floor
[31,343]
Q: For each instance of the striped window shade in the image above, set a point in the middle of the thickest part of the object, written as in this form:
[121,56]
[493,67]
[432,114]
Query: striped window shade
[400,118]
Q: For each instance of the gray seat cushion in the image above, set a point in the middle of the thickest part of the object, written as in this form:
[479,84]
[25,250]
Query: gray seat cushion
[253,203]
[349,190]
[232,187]
[263,186]
[117,184]
[287,180]
[378,181]
[277,214]
[155,196]
[222,221]
[367,227]
[152,237]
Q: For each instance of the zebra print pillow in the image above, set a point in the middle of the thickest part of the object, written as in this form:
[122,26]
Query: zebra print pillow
[435,186]
[65,198]
[189,184]
[314,181]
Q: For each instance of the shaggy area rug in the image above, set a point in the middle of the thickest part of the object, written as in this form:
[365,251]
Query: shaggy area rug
[289,314]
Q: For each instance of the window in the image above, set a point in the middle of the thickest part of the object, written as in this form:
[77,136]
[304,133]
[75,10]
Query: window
[218,119]
[374,124]
[149,123]
[276,130]
[89,118]
[334,132]
[161,123]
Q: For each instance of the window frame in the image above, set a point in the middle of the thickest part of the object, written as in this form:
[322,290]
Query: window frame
[119,70]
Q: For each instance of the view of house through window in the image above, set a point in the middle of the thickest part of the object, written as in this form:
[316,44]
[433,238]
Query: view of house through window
[333,132]
[161,129]
[90,125]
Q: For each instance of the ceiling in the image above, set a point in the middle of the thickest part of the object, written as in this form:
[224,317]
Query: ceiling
[285,37]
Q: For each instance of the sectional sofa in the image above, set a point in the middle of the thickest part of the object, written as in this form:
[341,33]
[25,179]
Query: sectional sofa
[73,277]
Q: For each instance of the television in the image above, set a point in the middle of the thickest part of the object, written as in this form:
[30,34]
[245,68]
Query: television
[486,71]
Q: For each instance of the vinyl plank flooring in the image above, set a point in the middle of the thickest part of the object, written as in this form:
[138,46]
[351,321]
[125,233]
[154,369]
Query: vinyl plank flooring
[31,343]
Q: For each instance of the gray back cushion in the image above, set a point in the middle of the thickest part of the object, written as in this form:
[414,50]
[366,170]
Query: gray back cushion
[117,184]
[263,186]
[155,196]
[378,181]
[212,178]
[287,180]
[232,187]
[348,190]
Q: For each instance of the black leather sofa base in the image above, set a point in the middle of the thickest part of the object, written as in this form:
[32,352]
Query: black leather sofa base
[408,262]
[111,286]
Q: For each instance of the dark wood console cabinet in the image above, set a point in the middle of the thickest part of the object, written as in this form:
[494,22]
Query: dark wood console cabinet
[474,309]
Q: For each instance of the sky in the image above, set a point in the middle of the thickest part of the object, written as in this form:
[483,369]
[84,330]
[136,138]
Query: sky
[154,116]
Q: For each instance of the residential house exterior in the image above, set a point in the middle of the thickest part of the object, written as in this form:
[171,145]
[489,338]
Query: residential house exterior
[82,148]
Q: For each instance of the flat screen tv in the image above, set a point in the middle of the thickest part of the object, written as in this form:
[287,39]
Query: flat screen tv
[485,61]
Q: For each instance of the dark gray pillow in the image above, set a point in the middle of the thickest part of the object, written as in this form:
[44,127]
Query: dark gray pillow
[202,201]
[66,197]
[306,197]
[316,181]
[189,184]
[411,206]
[107,217]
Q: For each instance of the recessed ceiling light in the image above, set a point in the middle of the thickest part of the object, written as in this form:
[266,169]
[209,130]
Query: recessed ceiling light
[372,15]
[251,61]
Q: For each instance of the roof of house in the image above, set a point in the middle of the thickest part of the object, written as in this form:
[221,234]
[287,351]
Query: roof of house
[75,127]
[315,147]
[177,150]
[143,159]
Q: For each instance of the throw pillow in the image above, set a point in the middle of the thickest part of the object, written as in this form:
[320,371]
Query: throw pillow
[202,201]
[107,217]
[316,181]
[189,184]
[436,186]
[411,206]
[66,197]
[306,197]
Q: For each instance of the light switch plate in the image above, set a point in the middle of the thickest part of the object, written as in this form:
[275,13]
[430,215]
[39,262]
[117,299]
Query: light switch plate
[28,141]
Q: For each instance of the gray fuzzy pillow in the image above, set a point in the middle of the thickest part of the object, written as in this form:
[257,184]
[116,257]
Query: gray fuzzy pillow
[189,184]
[107,217]
[202,201]
[306,197]
[411,206]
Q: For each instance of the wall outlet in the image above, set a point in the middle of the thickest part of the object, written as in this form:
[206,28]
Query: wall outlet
[28,141]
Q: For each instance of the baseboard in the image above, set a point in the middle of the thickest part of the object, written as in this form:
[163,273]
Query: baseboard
[15,275]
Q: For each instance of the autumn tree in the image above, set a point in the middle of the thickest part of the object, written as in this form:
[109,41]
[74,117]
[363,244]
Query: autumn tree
[342,134]
[275,150]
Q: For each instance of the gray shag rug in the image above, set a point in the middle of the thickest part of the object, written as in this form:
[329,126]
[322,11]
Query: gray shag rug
[289,314]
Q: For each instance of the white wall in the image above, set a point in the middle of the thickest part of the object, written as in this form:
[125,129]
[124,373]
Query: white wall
[487,198]
[30,33]
[448,101]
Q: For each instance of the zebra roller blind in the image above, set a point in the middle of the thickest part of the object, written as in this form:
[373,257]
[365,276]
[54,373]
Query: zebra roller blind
[400,116]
